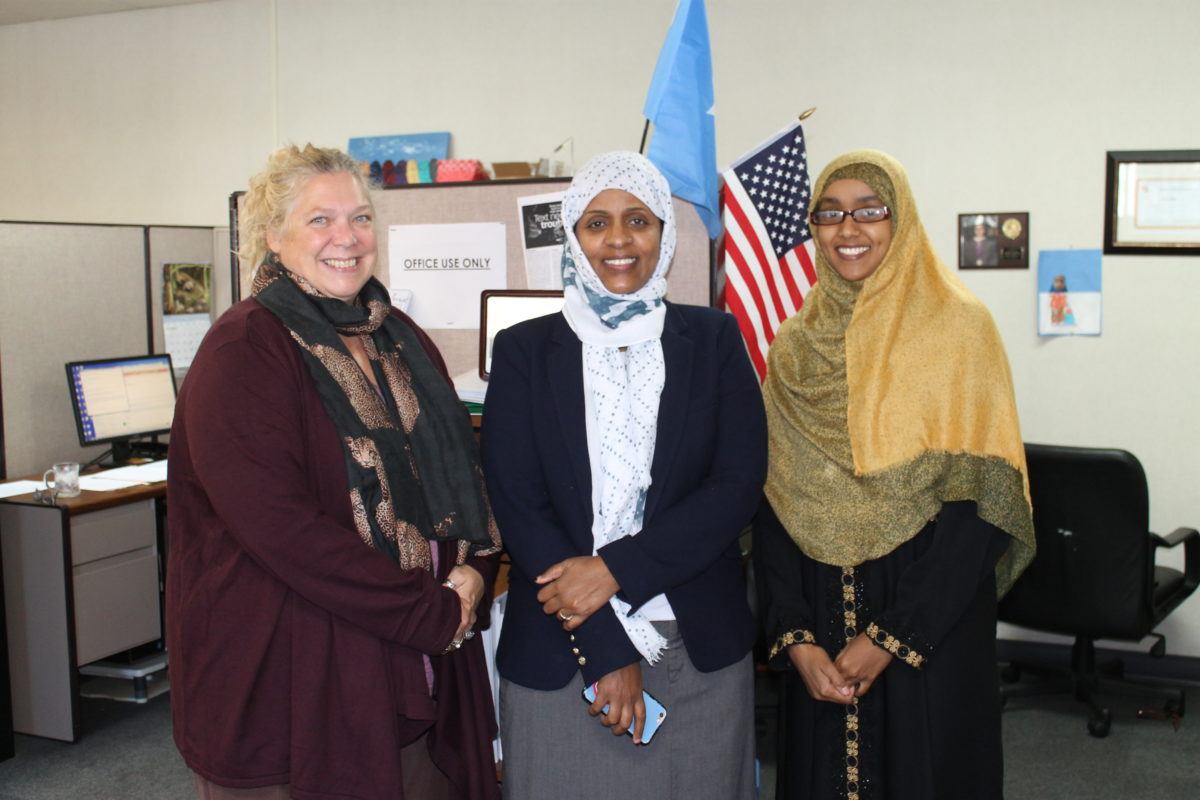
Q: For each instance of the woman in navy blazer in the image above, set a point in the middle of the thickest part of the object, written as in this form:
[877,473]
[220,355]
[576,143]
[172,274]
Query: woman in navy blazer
[624,445]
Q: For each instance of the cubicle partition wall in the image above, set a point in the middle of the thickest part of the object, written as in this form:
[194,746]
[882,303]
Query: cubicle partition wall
[3,469]
[171,245]
[7,745]
[7,749]
[222,288]
[81,578]
[689,280]
[73,292]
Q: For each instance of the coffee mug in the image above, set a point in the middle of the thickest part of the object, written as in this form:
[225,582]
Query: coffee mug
[63,479]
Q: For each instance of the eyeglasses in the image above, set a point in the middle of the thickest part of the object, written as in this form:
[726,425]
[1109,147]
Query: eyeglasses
[830,216]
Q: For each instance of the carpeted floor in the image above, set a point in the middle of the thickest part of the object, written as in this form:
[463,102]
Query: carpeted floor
[1048,754]
[126,753]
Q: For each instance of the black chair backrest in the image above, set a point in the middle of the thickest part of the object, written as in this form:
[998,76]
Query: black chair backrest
[1093,573]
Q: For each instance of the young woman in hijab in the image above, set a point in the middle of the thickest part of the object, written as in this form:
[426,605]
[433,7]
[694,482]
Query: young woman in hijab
[331,541]
[897,508]
[624,444]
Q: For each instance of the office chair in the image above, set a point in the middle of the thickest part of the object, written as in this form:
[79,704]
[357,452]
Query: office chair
[1094,575]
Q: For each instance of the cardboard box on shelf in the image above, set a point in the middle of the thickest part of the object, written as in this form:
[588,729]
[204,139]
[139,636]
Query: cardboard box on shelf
[512,169]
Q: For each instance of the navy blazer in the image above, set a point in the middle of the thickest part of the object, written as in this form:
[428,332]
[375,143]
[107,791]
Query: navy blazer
[710,462]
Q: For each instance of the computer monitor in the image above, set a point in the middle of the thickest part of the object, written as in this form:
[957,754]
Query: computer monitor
[503,308]
[119,400]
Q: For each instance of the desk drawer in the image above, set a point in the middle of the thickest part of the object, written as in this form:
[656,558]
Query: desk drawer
[112,531]
[116,604]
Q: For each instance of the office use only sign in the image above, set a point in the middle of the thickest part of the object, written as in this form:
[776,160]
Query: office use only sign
[446,267]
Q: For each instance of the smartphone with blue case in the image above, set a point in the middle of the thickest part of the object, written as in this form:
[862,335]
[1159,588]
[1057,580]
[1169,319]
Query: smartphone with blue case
[655,713]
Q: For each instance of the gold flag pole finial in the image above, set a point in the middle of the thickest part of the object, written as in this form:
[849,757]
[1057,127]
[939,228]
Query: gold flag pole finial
[808,113]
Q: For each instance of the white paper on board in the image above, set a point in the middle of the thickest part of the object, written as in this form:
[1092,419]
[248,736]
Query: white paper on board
[542,239]
[446,267]
[182,334]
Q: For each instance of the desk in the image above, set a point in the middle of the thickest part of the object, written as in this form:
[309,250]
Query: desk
[81,582]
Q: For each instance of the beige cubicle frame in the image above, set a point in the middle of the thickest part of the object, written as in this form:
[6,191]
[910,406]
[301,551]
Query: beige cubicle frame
[73,292]
[3,470]
[689,281]
[7,746]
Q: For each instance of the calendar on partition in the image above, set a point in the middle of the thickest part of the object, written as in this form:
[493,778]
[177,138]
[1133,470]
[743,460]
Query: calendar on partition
[182,334]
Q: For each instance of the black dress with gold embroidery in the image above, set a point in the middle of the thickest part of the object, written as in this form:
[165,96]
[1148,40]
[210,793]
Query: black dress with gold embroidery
[929,727]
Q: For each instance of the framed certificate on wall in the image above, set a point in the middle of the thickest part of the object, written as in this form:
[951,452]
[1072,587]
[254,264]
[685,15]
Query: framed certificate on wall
[1152,202]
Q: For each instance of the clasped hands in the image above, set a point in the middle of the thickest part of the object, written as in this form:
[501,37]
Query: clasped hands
[843,679]
[467,583]
[574,589]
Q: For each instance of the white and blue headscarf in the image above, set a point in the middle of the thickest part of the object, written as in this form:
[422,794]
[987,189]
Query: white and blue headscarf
[623,363]
[597,315]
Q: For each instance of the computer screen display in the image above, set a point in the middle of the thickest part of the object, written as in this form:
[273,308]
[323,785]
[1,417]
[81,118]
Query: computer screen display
[122,398]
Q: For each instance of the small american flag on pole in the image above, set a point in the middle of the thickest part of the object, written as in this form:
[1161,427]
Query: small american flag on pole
[768,252]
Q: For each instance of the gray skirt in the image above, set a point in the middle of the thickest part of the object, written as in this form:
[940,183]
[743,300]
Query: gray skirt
[704,750]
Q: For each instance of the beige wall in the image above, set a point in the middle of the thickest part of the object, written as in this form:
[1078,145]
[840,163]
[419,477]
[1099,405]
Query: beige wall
[155,116]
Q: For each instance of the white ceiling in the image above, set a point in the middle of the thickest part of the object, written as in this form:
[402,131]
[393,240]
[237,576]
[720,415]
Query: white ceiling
[14,11]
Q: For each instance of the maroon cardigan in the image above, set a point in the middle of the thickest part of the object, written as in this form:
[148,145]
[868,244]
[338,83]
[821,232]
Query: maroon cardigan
[296,649]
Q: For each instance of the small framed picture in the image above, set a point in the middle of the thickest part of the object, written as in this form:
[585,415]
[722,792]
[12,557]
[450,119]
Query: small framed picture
[1152,202]
[993,240]
[503,308]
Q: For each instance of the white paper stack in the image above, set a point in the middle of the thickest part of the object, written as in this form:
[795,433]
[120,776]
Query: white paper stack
[14,488]
[470,387]
[152,472]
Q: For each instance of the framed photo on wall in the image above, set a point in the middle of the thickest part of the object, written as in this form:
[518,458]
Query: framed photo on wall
[993,240]
[1152,202]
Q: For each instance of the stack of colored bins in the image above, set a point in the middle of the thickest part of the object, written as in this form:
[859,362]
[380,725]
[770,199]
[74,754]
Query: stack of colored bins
[460,170]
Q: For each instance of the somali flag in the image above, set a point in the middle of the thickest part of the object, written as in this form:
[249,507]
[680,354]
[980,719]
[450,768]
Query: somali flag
[679,103]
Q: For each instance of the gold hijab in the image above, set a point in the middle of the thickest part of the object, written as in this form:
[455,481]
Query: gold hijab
[890,396]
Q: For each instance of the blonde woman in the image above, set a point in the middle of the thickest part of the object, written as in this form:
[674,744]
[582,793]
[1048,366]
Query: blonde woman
[332,547]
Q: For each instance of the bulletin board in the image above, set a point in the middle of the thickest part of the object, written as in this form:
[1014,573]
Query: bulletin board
[689,280]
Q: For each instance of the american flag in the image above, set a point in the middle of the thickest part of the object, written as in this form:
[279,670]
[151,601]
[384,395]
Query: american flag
[768,252]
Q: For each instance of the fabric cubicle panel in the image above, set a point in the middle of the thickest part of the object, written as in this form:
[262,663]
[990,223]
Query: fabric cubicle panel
[188,245]
[222,291]
[3,469]
[71,292]
[689,280]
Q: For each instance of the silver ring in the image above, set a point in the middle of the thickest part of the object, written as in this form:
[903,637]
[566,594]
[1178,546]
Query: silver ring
[564,617]
[469,634]
[449,584]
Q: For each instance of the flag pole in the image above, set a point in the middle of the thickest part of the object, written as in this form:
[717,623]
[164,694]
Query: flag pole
[642,147]
[803,116]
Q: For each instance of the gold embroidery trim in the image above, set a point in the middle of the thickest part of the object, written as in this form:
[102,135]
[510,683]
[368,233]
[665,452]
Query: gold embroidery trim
[798,636]
[894,646]
[850,623]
